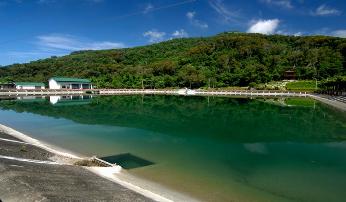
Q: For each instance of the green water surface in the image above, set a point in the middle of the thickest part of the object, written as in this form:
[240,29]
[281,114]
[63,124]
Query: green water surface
[213,148]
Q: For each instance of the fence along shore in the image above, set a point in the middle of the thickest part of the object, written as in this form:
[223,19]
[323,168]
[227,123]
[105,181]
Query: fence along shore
[15,92]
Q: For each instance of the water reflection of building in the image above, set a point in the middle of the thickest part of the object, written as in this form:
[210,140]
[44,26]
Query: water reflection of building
[32,99]
[61,100]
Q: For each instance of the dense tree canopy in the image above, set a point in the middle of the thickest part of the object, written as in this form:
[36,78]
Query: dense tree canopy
[333,86]
[227,59]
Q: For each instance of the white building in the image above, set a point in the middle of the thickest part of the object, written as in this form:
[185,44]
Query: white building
[69,83]
[29,85]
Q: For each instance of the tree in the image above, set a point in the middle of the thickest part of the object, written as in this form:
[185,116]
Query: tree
[190,75]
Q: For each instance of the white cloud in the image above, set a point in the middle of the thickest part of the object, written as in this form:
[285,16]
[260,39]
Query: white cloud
[321,31]
[26,56]
[30,54]
[227,14]
[72,43]
[264,26]
[324,10]
[289,33]
[325,31]
[154,35]
[149,7]
[58,45]
[55,1]
[190,15]
[339,33]
[102,45]
[18,1]
[180,34]
[95,1]
[298,34]
[45,1]
[195,22]
[281,3]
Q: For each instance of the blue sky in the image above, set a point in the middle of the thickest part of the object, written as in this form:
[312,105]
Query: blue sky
[34,29]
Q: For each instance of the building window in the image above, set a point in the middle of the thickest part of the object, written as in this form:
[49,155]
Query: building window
[65,86]
[75,86]
[86,86]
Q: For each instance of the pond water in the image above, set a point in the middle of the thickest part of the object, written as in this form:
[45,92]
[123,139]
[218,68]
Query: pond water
[212,148]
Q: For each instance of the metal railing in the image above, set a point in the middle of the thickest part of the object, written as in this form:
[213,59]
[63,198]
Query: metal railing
[151,91]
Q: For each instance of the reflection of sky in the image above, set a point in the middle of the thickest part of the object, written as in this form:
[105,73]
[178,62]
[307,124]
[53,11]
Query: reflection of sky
[259,148]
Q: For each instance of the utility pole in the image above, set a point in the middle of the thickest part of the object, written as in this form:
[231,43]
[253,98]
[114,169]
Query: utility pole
[316,83]
[316,75]
[146,63]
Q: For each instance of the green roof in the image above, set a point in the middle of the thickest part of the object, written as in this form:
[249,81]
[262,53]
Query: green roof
[72,102]
[32,100]
[29,84]
[5,83]
[64,79]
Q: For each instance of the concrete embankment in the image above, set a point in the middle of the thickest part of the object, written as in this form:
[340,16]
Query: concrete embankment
[333,103]
[31,170]
[30,173]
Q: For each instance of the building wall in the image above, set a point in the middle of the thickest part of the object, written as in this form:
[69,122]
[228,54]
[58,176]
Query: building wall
[27,87]
[53,84]
[59,85]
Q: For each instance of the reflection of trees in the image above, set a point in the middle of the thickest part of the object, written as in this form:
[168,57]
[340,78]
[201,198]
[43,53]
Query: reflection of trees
[226,119]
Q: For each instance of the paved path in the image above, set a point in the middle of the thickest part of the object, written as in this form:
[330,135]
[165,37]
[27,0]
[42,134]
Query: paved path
[30,181]
[337,104]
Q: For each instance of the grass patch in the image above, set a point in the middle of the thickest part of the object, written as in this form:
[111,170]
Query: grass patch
[301,86]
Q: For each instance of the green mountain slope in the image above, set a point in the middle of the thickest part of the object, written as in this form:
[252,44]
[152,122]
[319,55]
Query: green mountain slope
[227,59]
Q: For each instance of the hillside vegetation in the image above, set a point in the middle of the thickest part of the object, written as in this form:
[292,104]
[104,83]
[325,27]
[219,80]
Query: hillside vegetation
[227,59]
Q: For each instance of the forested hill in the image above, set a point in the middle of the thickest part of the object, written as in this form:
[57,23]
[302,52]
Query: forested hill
[227,59]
